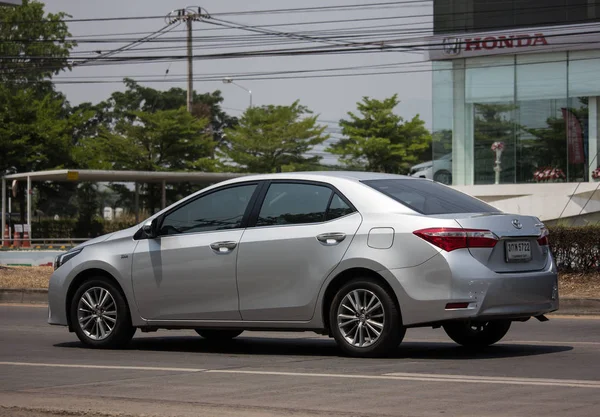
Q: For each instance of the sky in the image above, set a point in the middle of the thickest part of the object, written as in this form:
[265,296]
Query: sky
[330,98]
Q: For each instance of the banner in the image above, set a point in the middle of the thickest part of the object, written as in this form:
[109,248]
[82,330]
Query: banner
[574,137]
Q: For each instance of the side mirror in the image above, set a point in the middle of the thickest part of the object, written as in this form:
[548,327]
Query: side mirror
[149,228]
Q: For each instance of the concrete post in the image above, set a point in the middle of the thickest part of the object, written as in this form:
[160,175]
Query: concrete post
[592,136]
[3,208]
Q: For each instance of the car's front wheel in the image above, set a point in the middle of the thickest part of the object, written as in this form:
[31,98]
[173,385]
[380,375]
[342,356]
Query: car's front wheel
[365,320]
[100,315]
[477,334]
[218,335]
[443,176]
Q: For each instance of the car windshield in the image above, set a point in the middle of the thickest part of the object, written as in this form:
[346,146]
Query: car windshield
[428,197]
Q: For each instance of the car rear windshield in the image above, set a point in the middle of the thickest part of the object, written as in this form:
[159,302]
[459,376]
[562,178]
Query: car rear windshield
[428,197]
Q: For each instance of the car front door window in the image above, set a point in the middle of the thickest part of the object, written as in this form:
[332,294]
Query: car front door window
[219,210]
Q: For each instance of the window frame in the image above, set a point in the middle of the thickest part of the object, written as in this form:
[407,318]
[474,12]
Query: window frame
[253,219]
[244,223]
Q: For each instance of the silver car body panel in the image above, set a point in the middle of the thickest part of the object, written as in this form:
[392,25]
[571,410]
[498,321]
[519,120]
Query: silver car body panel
[277,276]
[282,268]
[181,277]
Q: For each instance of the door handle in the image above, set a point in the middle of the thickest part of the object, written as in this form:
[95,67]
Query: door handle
[223,247]
[330,239]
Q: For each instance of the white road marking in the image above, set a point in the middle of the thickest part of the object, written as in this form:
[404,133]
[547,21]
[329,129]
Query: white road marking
[397,376]
[124,368]
[544,342]
[429,378]
[503,342]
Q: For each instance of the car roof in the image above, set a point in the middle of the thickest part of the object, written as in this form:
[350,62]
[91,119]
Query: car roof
[348,175]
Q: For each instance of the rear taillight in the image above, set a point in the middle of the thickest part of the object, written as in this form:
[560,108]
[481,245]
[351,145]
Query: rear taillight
[450,239]
[543,239]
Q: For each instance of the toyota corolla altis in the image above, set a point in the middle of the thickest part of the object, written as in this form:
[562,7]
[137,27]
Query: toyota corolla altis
[357,256]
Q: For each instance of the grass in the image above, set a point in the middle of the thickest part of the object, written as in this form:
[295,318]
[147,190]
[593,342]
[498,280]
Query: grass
[570,285]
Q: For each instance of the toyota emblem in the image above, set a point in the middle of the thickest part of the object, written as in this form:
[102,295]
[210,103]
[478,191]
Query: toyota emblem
[517,224]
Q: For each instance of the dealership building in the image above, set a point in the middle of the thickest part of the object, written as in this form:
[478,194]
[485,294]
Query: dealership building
[516,91]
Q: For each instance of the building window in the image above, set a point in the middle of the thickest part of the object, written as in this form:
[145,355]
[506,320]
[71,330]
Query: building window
[542,108]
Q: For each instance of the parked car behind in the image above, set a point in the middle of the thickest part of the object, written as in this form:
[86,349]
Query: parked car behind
[439,170]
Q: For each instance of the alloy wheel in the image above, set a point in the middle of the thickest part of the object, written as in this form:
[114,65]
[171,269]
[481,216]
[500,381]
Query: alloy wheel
[97,313]
[361,318]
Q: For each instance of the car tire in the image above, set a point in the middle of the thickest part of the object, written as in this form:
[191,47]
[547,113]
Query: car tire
[443,176]
[99,300]
[384,319]
[477,335]
[219,335]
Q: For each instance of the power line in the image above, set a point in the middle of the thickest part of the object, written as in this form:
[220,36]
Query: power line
[249,12]
[132,45]
[461,16]
[298,77]
[358,48]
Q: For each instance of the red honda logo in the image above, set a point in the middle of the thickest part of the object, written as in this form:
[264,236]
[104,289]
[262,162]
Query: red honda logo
[501,42]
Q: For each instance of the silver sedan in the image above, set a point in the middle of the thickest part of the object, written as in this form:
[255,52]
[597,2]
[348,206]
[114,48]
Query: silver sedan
[360,257]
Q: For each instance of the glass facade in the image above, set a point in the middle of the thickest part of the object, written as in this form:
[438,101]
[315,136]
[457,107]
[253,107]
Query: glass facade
[464,16]
[516,118]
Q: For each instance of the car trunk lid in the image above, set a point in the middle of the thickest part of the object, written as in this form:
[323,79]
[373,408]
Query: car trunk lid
[518,248]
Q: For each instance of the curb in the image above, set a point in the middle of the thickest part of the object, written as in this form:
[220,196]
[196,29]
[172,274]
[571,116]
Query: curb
[568,306]
[578,307]
[24,296]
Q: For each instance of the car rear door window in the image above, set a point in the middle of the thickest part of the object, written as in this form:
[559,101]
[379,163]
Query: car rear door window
[428,197]
[294,203]
[338,208]
[219,210]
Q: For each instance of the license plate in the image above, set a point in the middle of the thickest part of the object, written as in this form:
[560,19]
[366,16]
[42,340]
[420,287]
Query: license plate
[518,251]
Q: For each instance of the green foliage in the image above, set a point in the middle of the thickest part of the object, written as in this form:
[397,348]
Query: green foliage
[34,45]
[36,129]
[379,140]
[273,139]
[121,106]
[166,140]
[576,249]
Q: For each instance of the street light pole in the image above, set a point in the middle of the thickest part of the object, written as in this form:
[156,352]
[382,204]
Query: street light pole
[230,81]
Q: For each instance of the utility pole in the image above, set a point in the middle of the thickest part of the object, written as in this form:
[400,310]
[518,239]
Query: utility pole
[190,75]
[189,15]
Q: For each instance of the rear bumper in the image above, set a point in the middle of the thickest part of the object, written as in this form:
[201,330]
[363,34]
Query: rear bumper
[425,291]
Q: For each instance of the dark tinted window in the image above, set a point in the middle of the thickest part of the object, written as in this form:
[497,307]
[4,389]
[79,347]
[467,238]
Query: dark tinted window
[220,210]
[294,204]
[338,208]
[486,15]
[428,197]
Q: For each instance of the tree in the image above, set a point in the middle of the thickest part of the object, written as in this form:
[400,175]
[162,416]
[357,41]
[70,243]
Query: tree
[34,45]
[379,140]
[35,125]
[273,139]
[122,105]
[165,140]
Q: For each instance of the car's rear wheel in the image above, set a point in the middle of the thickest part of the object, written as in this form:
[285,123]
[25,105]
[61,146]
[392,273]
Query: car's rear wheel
[100,315]
[365,320]
[477,334]
[218,335]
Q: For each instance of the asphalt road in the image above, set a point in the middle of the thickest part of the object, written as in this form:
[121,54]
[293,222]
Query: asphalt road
[540,369]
